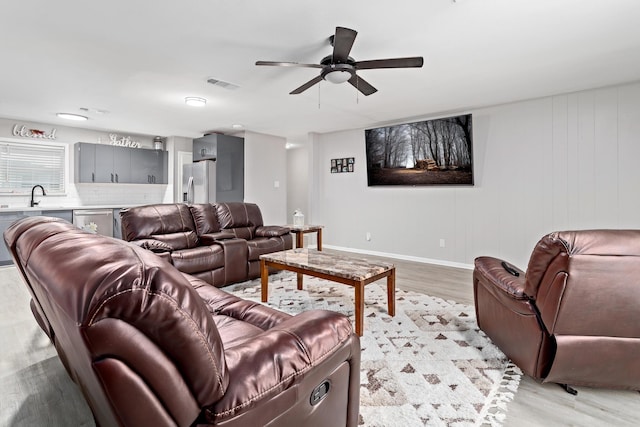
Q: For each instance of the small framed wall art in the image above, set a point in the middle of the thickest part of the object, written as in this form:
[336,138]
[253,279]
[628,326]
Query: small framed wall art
[344,164]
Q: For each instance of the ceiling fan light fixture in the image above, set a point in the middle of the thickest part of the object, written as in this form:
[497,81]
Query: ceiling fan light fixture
[71,116]
[337,76]
[195,101]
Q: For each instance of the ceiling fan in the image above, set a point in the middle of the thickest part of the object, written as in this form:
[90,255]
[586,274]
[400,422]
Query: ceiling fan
[339,67]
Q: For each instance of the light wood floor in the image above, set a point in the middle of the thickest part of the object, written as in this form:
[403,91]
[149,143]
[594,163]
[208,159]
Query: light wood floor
[35,390]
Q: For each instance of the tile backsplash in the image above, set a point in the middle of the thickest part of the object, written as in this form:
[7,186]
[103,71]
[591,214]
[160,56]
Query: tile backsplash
[98,195]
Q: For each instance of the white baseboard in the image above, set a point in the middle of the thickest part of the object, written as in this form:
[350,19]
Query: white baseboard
[402,257]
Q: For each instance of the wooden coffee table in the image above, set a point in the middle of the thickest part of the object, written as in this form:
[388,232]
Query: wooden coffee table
[352,271]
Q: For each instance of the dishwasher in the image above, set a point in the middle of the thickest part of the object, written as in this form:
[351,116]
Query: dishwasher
[98,221]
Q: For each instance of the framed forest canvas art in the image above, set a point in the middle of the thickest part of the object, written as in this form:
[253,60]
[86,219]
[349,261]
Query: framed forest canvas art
[430,152]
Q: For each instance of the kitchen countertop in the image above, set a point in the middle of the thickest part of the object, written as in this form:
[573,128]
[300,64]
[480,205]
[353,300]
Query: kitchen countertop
[61,208]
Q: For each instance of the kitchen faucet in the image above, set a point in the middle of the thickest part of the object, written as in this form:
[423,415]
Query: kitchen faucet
[33,189]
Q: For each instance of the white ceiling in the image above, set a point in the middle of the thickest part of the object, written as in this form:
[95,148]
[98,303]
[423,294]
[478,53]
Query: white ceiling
[139,59]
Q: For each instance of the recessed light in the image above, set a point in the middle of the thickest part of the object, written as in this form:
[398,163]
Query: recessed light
[194,101]
[237,126]
[70,116]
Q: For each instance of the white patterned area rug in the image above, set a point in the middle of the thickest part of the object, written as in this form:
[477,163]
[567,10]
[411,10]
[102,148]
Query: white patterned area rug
[427,366]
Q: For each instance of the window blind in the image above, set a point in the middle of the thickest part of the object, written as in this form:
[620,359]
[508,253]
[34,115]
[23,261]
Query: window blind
[23,165]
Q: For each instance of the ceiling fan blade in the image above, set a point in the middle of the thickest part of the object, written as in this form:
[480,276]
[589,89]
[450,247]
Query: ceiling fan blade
[306,86]
[342,44]
[413,62]
[362,85]
[288,64]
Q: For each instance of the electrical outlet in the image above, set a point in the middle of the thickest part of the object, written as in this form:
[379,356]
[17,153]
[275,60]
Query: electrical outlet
[442,243]
[368,236]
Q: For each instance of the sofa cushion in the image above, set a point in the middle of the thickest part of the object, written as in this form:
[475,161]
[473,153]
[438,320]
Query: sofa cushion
[168,223]
[238,214]
[179,240]
[272,231]
[201,258]
[205,218]
[264,245]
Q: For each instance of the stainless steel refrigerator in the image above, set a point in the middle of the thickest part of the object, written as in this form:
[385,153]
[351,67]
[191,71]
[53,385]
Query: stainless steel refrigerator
[199,182]
[217,173]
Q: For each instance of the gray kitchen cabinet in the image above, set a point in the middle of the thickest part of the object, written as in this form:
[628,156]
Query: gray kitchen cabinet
[122,164]
[150,166]
[85,162]
[66,215]
[113,164]
[8,218]
[101,163]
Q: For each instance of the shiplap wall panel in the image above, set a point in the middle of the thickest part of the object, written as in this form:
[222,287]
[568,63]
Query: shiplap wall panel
[559,159]
[573,162]
[629,156]
[586,160]
[606,158]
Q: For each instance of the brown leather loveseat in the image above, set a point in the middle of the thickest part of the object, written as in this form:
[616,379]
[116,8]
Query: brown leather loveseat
[151,346]
[218,243]
[574,317]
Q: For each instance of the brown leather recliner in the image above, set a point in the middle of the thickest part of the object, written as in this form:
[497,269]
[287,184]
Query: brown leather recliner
[151,346]
[574,317]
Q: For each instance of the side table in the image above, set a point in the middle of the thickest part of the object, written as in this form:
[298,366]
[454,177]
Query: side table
[301,230]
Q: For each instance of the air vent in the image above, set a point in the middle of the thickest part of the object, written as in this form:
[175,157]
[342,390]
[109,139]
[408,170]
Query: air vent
[222,84]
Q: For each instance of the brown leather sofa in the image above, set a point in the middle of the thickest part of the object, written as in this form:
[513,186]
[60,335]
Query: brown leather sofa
[219,244]
[574,317]
[151,346]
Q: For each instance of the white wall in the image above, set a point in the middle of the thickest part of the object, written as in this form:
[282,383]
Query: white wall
[555,163]
[264,165]
[298,182]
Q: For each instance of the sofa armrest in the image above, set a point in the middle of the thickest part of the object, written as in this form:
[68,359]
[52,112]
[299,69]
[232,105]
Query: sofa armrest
[491,270]
[272,231]
[153,245]
[211,238]
[283,356]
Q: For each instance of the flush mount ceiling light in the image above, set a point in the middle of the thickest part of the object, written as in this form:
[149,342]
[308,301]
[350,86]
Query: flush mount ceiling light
[70,116]
[194,101]
[237,126]
[338,76]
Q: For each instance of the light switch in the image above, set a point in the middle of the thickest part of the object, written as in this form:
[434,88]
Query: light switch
[276,184]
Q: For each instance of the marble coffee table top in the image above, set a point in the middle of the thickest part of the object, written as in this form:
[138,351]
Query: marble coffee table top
[304,228]
[338,265]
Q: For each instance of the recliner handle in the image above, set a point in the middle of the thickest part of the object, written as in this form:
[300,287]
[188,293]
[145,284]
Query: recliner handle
[510,269]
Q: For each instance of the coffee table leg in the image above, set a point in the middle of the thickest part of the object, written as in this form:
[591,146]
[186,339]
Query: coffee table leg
[319,239]
[264,277]
[391,292]
[299,281]
[359,287]
[299,239]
